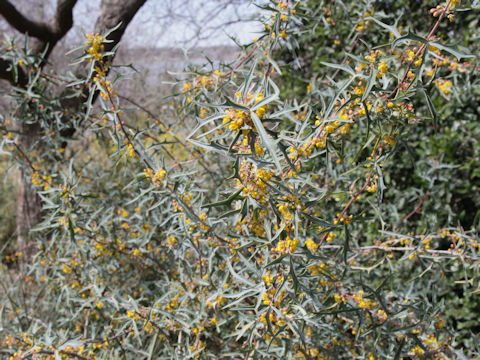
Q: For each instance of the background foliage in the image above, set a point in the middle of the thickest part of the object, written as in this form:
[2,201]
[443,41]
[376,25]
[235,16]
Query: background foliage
[316,199]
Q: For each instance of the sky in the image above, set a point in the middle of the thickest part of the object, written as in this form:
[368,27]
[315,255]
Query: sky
[162,23]
[183,23]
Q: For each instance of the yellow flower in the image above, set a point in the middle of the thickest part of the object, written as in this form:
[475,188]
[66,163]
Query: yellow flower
[267,279]
[311,245]
[444,85]
[158,177]
[171,241]
[130,150]
[382,69]
[148,173]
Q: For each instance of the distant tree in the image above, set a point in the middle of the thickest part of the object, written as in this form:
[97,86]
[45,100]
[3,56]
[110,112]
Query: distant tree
[113,14]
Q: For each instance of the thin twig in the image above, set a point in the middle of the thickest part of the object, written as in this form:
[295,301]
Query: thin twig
[419,52]
[404,249]
[419,205]
[242,61]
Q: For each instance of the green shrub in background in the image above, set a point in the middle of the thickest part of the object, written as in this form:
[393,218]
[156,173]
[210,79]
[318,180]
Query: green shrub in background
[317,199]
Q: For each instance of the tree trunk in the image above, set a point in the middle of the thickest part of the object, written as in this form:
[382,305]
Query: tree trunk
[29,204]
[29,207]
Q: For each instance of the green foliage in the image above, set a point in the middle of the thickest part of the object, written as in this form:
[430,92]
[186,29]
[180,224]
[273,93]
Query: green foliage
[317,199]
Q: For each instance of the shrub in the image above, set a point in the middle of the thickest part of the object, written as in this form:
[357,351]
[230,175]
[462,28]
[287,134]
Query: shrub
[303,202]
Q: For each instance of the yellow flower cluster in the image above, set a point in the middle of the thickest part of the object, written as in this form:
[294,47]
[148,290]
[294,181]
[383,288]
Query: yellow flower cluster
[374,54]
[269,298]
[331,236]
[39,180]
[283,5]
[363,24]
[276,320]
[389,141]
[311,245]
[253,223]
[307,147]
[267,279]
[158,177]
[254,180]
[445,86]
[320,269]
[382,69]
[203,218]
[343,219]
[95,44]
[262,109]
[174,303]
[148,173]
[202,82]
[362,302]
[136,252]
[123,213]
[417,350]
[436,11]
[186,198]
[236,119]
[9,136]
[443,60]
[287,246]
[243,147]
[171,241]
[372,188]
[289,204]
[130,150]
[342,125]
[284,12]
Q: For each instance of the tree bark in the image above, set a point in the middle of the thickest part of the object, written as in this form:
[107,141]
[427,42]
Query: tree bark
[29,210]
[29,204]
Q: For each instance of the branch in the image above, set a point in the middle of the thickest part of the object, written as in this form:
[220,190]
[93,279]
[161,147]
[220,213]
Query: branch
[58,26]
[22,24]
[62,22]
[417,208]
[445,253]
[49,352]
[55,29]
[47,34]
[113,13]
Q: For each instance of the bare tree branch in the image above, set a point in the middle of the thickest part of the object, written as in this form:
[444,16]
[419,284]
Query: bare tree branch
[53,30]
[47,34]
[62,22]
[113,13]
[59,25]
[23,24]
